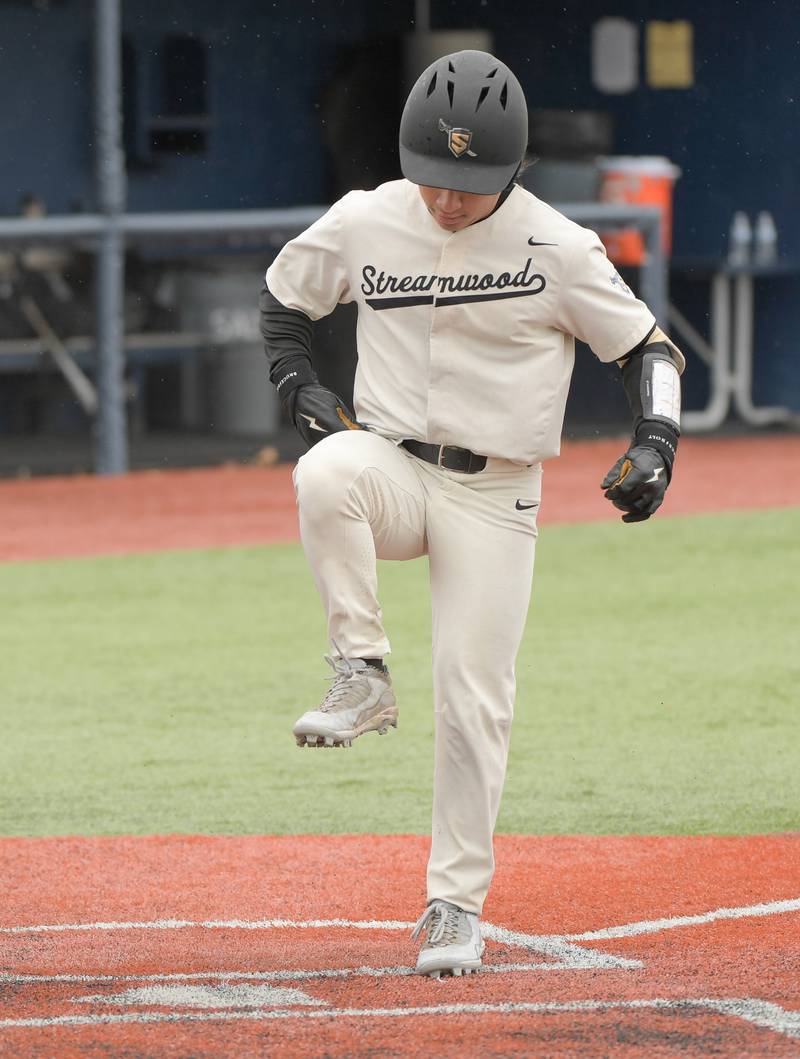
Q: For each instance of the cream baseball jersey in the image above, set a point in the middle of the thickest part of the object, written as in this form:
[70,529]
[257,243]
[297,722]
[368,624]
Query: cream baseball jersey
[464,338]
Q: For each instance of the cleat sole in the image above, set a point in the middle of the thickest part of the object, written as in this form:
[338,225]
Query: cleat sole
[381,722]
[325,742]
[340,740]
[450,972]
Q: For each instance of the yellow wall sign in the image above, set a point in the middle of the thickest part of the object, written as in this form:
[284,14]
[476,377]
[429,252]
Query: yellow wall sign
[670,54]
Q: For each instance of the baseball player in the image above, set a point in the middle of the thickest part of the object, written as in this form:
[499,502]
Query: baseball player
[470,294]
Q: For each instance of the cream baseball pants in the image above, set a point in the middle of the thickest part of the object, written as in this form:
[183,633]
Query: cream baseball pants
[362,497]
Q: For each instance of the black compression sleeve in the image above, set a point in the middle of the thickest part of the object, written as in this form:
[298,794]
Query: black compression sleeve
[287,343]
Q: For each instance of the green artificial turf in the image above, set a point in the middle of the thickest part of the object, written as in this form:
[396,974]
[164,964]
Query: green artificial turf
[658,690]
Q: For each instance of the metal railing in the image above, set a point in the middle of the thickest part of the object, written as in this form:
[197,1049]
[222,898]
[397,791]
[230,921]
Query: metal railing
[235,228]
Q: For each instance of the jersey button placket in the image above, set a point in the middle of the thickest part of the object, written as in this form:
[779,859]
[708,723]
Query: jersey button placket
[440,352]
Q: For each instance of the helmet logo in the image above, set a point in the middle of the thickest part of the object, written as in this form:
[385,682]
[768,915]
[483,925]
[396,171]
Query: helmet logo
[458,140]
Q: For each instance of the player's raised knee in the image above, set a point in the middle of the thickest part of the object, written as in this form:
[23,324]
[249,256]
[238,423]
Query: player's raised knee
[330,467]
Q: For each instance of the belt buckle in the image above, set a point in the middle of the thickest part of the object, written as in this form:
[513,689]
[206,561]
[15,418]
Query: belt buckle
[453,448]
[440,461]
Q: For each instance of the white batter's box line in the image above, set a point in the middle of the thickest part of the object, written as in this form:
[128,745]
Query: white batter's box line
[753,1011]
[766,908]
[563,954]
[215,924]
[285,975]
[653,926]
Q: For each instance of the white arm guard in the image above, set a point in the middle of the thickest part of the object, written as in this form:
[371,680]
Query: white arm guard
[660,387]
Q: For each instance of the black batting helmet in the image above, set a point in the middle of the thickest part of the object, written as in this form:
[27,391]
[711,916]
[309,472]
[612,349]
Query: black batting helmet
[465,125]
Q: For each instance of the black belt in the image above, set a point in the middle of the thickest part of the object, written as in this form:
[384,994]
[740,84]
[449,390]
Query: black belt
[447,456]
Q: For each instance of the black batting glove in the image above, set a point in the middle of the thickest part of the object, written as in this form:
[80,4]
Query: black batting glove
[636,484]
[318,412]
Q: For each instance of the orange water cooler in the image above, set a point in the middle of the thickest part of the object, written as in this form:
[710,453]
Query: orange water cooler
[641,181]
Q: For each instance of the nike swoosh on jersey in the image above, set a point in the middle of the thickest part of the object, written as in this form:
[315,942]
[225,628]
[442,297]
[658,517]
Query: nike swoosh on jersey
[532,242]
[525,507]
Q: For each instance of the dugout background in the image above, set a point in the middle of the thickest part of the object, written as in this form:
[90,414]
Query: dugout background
[250,105]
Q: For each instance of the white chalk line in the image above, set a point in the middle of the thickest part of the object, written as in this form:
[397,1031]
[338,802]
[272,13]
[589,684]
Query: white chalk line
[564,955]
[560,947]
[204,995]
[653,926]
[215,924]
[489,930]
[756,1012]
[265,976]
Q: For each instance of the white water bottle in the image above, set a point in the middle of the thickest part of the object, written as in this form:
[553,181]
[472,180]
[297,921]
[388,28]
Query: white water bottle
[740,239]
[765,240]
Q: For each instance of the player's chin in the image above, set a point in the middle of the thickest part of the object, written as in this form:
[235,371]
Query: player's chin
[451,224]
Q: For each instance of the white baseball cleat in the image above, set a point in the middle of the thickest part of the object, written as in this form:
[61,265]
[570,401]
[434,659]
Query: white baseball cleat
[453,945]
[359,700]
